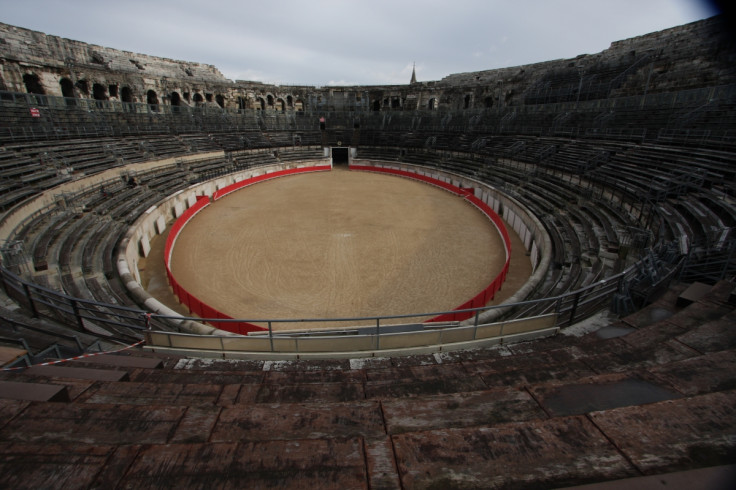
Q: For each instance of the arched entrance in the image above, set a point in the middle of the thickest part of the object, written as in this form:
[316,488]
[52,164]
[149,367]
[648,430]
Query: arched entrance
[33,84]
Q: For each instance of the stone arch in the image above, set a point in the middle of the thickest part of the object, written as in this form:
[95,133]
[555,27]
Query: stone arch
[67,88]
[82,86]
[99,92]
[289,101]
[280,105]
[466,101]
[33,84]
[241,103]
[269,100]
[220,99]
[376,105]
[175,99]
[261,104]
[299,105]
[433,104]
[126,95]
[197,98]
[151,98]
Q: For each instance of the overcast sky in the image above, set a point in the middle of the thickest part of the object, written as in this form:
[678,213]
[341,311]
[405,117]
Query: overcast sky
[345,42]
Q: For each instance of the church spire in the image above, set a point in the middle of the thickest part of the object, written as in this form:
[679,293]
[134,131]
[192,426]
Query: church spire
[413,74]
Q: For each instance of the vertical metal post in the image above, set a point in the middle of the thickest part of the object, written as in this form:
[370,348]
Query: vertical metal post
[27,290]
[574,308]
[75,309]
[270,335]
[378,333]
[2,280]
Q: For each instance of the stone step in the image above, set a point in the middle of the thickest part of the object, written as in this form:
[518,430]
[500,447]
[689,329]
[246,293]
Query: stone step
[113,360]
[714,478]
[15,390]
[78,373]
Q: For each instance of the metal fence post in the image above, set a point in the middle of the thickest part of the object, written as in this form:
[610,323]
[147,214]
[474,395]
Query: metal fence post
[574,308]
[270,335]
[5,286]
[75,309]
[378,333]
[27,290]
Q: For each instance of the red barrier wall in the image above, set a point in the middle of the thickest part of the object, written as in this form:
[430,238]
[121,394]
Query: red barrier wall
[195,305]
[205,311]
[487,294]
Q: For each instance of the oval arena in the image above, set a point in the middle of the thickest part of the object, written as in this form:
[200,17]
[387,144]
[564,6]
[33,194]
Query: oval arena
[337,244]
[556,310]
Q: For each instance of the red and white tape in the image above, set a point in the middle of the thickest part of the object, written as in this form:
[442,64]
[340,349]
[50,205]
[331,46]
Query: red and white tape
[59,361]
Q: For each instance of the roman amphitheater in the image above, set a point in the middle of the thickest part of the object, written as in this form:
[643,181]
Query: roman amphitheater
[514,278]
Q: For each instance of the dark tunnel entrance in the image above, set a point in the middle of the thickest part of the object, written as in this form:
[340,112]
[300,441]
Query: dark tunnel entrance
[340,156]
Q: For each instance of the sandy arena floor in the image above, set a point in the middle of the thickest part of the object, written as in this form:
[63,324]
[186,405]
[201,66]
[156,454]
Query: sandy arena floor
[340,244]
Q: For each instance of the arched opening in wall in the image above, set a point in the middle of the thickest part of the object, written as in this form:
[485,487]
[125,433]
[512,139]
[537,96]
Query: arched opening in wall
[432,104]
[82,86]
[220,100]
[241,103]
[126,95]
[299,105]
[33,84]
[112,90]
[175,99]
[376,105]
[67,90]
[208,97]
[261,104]
[197,99]
[269,100]
[152,100]
[280,105]
[488,102]
[395,102]
[466,102]
[289,101]
[99,92]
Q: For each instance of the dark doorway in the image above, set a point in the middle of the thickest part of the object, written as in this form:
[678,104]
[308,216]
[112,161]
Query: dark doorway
[33,84]
[67,91]
[99,92]
[339,156]
[67,88]
[126,95]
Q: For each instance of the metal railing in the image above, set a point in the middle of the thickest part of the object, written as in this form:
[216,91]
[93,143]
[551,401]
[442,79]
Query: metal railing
[121,322]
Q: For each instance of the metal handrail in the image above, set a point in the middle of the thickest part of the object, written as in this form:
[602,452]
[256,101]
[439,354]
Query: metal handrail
[80,309]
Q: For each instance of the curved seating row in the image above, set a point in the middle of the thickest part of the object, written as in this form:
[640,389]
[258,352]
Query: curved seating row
[587,219]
